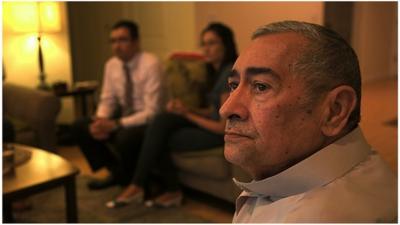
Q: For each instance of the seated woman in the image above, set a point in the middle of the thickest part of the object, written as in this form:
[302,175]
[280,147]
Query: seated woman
[181,129]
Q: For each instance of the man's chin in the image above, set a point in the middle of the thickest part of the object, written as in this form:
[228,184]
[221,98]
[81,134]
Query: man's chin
[232,154]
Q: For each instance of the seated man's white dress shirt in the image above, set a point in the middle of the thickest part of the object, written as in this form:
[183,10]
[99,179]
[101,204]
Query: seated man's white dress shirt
[145,72]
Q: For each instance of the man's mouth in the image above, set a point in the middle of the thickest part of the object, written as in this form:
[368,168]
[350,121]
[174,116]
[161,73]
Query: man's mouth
[235,136]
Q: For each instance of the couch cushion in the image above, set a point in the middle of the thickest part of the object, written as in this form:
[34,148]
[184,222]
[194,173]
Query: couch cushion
[37,110]
[26,137]
[19,125]
[207,163]
[186,80]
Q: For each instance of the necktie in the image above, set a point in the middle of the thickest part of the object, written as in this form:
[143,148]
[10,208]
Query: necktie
[128,92]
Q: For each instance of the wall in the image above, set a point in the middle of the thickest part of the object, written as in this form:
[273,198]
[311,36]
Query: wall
[164,28]
[245,17]
[20,58]
[89,30]
[375,39]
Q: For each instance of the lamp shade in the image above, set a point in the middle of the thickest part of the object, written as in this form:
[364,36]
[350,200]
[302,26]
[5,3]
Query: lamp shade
[49,14]
[32,16]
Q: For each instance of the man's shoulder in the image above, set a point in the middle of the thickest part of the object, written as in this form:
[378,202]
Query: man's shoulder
[365,194]
[149,59]
[113,61]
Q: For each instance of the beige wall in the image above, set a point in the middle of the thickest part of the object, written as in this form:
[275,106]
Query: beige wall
[245,17]
[20,58]
[165,27]
[375,39]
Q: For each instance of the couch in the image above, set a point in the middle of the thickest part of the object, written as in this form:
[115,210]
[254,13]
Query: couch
[206,170]
[33,113]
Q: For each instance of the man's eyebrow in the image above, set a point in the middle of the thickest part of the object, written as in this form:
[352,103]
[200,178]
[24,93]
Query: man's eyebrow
[251,71]
[234,73]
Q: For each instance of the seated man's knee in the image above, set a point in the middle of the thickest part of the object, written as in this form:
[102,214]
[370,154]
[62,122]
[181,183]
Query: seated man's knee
[80,127]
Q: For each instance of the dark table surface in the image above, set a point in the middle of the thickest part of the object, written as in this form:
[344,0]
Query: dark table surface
[42,169]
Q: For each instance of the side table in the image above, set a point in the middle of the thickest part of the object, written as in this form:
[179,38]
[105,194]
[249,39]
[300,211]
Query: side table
[82,96]
[44,170]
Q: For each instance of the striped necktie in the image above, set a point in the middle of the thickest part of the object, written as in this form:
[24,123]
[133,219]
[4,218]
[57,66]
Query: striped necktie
[128,95]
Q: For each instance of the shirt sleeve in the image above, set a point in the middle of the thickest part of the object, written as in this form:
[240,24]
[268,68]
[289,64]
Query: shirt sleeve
[152,94]
[108,99]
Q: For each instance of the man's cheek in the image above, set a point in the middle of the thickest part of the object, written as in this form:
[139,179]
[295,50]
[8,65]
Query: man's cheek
[269,116]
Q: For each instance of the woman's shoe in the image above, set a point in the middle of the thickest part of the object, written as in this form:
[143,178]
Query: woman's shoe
[169,199]
[117,203]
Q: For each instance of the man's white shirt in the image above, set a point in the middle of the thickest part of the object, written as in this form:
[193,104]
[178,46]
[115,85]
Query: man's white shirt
[146,74]
[343,182]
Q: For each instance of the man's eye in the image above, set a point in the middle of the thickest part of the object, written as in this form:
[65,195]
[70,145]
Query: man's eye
[261,87]
[232,86]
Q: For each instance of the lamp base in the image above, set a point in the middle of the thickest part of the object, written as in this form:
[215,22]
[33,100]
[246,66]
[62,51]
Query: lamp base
[44,87]
[42,83]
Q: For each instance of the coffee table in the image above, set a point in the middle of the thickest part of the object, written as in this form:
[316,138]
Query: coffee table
[45,170]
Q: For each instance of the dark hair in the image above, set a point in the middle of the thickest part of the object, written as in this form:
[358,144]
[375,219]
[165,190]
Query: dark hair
[326,62]
[130,25]
[228,40]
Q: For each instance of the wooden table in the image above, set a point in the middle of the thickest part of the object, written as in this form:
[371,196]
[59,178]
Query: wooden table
[45,170]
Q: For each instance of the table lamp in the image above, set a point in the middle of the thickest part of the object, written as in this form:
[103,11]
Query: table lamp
[37,17]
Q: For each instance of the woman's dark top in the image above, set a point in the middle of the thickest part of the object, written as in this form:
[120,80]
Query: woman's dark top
[220,87]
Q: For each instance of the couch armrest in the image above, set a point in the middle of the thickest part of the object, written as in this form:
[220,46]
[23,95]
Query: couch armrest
[38,109]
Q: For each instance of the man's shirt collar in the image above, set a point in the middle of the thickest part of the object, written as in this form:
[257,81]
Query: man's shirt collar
[317,170]
[132,63]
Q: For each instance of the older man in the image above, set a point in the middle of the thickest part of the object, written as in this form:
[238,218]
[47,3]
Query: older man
[292,123]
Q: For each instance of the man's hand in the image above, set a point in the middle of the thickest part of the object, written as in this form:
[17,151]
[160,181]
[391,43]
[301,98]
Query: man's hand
[101,128]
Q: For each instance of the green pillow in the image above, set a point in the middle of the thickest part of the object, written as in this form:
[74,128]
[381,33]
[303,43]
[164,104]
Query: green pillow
[186,80]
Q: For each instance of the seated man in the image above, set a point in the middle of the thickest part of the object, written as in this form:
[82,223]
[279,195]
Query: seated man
[292,123]
[130,97]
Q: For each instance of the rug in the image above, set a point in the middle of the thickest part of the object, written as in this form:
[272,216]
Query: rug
[49,207]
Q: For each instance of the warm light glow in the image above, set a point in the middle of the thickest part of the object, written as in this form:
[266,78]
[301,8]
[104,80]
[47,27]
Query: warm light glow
[49,17]
[24,16]
[21,16]
[31,42]
[25,48]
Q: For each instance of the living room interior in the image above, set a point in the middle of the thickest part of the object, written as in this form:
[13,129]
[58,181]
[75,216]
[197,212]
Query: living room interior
[44,93]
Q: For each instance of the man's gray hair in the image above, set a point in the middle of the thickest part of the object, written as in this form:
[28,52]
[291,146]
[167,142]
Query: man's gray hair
[326,62]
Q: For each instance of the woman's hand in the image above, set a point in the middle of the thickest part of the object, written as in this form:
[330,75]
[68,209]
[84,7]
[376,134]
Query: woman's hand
[177,106]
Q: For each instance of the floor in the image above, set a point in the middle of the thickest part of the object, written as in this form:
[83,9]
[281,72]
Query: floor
[379,123]
[206,207]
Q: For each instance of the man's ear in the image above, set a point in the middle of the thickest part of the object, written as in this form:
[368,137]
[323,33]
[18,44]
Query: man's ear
[339,104]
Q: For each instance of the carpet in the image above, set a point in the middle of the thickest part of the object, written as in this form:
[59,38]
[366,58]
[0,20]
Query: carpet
[49,207]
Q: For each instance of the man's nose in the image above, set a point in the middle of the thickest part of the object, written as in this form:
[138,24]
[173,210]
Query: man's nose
[236,106]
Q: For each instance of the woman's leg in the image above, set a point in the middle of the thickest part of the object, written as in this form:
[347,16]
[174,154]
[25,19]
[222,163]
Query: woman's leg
[127,144]
[194,139]
[184,139]
[155,144]
[154,148]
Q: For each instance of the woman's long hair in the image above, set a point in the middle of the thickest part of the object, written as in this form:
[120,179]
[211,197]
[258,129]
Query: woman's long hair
[228,40]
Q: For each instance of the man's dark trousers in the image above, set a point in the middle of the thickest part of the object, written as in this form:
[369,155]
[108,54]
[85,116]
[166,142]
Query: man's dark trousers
[118,153]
